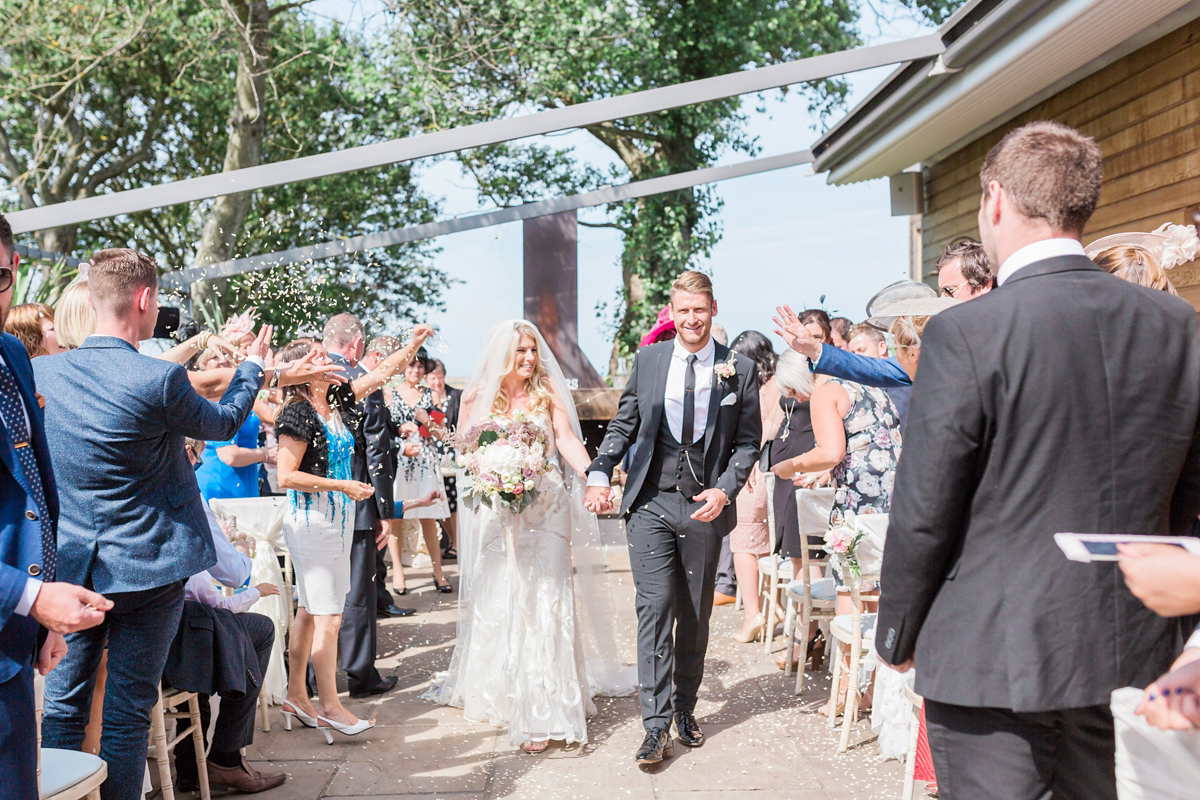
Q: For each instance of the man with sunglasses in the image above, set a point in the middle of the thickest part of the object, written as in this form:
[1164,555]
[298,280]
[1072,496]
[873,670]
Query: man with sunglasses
[35,611]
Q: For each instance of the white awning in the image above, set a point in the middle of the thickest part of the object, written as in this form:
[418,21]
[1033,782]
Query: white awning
[994,68]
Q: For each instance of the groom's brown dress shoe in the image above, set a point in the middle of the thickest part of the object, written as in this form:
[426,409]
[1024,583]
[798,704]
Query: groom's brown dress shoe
[656,746]
[242,778]
[688,729]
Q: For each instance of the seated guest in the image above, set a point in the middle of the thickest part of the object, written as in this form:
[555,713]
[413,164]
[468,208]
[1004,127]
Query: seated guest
[966,258]
[230,468]
[132,521]
[1146,258]
[210,621]
[33,324]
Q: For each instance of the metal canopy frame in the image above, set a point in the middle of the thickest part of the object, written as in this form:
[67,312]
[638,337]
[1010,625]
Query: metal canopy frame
[478,135]
[428,230]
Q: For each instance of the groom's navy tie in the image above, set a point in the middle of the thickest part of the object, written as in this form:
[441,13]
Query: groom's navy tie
[12,413]
[689,401]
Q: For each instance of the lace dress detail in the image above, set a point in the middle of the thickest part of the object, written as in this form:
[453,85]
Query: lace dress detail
[521,664]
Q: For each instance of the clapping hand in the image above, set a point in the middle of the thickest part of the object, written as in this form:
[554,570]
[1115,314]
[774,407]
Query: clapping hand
[261,346]
[598,499]
[313,366]
[218,345]
[797,336]
[429,499]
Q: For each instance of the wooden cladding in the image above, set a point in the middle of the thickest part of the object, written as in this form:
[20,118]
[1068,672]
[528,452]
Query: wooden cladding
[1144,112]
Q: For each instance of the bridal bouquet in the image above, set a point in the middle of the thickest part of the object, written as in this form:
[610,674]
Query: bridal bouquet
[502,459]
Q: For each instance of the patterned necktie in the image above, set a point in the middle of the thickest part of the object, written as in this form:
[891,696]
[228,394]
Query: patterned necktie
[689,401]
[13,414]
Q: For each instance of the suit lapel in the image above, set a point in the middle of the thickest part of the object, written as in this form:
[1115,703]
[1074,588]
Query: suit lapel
[660,389]
[720,353]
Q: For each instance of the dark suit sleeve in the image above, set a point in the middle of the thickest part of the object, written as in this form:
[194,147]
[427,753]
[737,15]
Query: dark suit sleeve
[746,439]
[623,428]
[882,372]
[377,431]
[189,414]
[943,444]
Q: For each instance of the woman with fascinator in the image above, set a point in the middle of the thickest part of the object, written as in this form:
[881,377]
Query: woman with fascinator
[1146,258]
[530,654]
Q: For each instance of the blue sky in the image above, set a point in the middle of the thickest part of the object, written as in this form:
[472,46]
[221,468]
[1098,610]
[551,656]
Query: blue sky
[788,236]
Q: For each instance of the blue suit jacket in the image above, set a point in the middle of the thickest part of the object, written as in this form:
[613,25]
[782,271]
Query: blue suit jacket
[882,372]
[20,537]
[132,516]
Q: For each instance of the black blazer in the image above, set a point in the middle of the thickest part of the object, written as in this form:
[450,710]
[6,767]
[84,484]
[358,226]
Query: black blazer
[1065,400]
[371,425]
[211,653]
[731,436]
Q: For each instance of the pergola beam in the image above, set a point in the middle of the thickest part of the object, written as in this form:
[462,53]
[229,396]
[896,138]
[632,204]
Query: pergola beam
[478,135]
[428,230]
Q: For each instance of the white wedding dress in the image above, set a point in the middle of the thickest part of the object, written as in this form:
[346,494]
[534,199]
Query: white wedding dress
[535,631]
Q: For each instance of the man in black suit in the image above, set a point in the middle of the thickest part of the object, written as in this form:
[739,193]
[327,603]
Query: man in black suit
[691,408]
[370,423]
[1064,400]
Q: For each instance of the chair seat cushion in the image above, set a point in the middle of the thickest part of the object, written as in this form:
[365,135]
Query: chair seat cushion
[62,769]
[785,567]
[821,590]
[844,623]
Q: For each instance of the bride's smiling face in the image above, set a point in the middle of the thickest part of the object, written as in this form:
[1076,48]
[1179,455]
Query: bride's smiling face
[525,358]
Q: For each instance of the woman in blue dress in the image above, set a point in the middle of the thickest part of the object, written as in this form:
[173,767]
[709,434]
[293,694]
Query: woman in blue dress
[230,469]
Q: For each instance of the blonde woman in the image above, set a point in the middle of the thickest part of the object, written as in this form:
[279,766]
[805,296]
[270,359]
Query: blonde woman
[74,317]
[1146,258]
[530,658]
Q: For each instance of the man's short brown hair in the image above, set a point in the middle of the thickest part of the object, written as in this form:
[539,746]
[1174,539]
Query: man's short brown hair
[874,334]
[842,326]
[972,260]
[1050,172]
[115,275]
[692,282]
[341,329]
[6,236]
[383,345]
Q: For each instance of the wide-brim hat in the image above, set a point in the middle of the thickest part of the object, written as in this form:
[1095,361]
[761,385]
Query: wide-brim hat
[1170,245]
[912,307]
[662,324]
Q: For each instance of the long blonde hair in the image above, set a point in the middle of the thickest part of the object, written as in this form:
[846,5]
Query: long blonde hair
[1136,265]
[74,319]
[537,385]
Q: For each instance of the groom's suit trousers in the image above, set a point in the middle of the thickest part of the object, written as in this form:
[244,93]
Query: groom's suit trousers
[674,562]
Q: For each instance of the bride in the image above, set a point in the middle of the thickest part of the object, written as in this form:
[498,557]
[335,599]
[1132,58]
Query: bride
[530,657]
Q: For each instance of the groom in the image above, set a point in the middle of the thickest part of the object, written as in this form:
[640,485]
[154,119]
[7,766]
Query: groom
[690,411]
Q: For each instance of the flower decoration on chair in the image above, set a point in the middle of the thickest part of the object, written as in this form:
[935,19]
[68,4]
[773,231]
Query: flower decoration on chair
[502,460]
[727,368]
[842,544]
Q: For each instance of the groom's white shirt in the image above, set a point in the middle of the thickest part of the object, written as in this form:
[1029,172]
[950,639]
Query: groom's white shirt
[673,396]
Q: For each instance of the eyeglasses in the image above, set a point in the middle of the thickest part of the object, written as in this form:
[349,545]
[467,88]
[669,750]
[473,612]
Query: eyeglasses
[6,278]
[948,291]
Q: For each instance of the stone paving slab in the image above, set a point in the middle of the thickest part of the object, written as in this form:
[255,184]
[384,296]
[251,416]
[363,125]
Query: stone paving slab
[764,743]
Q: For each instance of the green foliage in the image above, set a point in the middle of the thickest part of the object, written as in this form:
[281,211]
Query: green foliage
[135,93]
[41,282]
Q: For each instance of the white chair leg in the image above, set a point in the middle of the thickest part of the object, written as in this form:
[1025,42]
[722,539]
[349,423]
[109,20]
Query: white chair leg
[264,709]
[850,716]
[834,681]
[768,612]
[802,662]
[789,635]
[198,746]
[910,763]
[737,598]
[162,756]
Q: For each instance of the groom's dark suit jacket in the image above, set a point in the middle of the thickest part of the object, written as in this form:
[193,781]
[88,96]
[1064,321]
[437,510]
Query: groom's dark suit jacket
[1065,400]
[731,434]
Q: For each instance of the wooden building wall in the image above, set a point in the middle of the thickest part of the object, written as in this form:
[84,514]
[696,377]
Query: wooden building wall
[1144,111]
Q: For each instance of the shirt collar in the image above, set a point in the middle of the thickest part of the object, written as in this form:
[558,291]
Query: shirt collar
[704,356]
[1037,251]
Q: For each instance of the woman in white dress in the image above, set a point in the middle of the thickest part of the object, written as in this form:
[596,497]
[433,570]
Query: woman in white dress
[416,476]
[535,637]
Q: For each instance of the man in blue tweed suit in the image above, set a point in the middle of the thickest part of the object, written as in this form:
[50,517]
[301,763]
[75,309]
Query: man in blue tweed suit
[33,607]
[132,524]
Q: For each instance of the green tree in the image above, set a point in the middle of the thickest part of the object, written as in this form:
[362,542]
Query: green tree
[474,59]
[105,98]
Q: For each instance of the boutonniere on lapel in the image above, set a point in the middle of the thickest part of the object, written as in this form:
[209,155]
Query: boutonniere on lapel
[727,368]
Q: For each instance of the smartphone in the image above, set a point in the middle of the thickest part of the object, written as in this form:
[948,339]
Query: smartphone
[167,324]
[1087,547]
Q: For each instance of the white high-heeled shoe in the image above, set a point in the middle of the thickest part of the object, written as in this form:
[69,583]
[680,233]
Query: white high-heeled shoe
[345,730]
[289,711]
[757,626]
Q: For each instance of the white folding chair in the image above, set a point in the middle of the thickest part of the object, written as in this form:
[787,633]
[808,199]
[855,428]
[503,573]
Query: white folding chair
[162,747]
[772,571]
[850,633]
[64,774]
[812,505]
[914,733]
